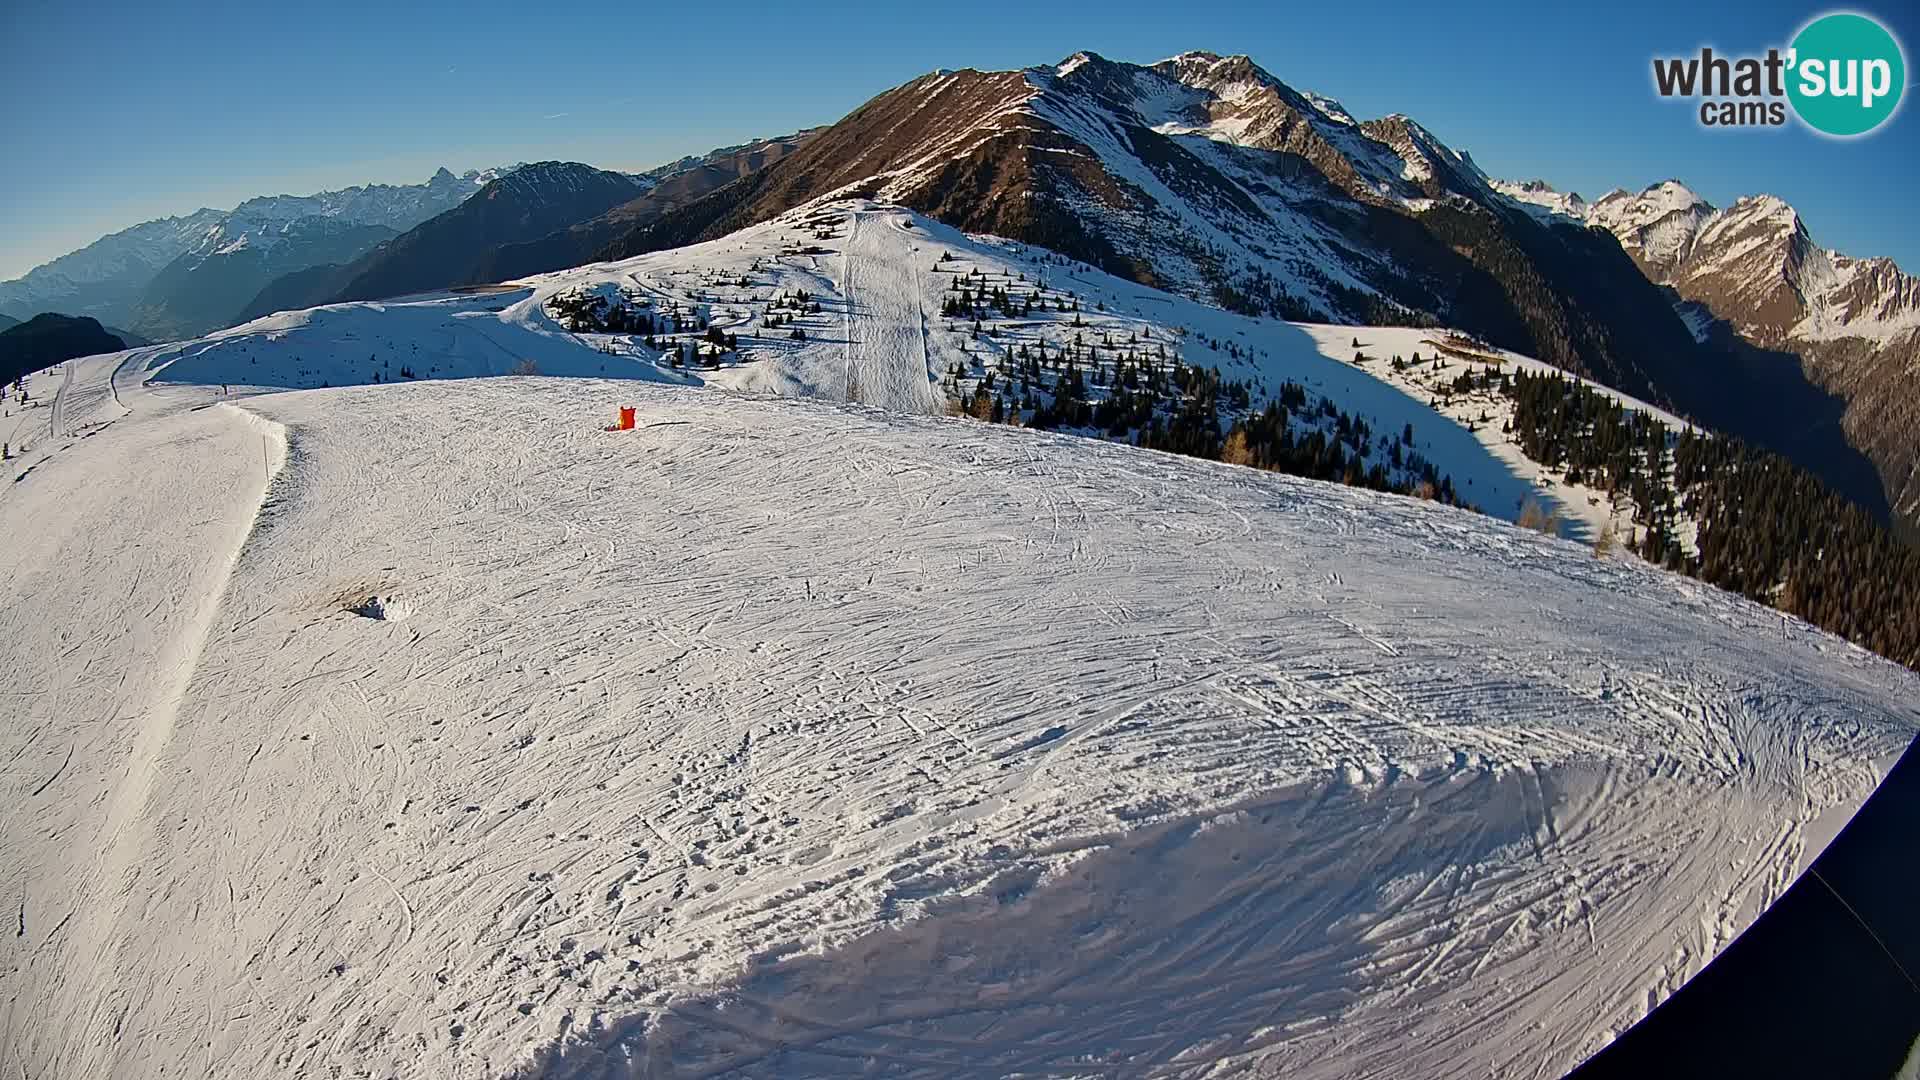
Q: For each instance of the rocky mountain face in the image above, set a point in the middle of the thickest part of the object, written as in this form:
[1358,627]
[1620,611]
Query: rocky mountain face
[1207,176]
[187,275]
[448,249]
[1752,283]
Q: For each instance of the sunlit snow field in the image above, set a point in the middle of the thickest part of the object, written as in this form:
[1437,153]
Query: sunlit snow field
[431,729]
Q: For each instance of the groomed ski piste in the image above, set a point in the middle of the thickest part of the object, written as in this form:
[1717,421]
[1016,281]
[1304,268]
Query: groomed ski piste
[431,729]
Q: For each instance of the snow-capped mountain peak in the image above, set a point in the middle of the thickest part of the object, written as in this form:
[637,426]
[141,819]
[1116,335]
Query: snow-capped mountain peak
[1658,225]
[1754,265]
[1754,261]
[1540,196]
[1070,65]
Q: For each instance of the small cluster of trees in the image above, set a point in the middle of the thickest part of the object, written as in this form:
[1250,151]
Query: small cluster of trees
[798,302]
[582,311]
[1145,398]
[1566,424]
[586,312]
[975,296]
[787,307]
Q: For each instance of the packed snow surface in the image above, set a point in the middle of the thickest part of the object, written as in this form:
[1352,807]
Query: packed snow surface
[434,730]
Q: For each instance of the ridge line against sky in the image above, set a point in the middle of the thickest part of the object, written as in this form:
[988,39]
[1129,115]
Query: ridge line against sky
[208,105]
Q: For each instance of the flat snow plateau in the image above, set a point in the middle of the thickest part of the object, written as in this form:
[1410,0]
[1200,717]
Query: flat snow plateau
[431,730]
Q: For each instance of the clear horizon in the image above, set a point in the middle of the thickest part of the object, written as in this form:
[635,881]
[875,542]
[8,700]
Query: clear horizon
[210,109]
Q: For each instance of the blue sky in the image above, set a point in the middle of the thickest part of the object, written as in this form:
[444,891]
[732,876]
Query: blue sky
[120,112]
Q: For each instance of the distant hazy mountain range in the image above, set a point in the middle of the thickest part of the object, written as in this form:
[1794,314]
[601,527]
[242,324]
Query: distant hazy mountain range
[185,275]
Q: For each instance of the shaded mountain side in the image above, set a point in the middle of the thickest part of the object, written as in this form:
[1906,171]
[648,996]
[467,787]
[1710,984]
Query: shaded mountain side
[132,339]
[1848,408]
[445,251]
[1765,397]
[8,322]
[301,289]
[194,295]
[1879,384]
[678,184]
[48,339]
[1567,296]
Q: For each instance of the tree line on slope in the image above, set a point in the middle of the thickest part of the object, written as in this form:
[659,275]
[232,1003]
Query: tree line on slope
[1112,383]
[1764,527]
[1147,399]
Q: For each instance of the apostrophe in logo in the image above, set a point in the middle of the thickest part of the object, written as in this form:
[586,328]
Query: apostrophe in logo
[1842,75]
[1848,74]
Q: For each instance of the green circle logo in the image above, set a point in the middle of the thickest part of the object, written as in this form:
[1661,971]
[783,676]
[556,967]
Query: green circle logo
[1847,74]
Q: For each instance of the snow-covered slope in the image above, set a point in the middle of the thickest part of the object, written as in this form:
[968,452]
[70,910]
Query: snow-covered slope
[433,730]
[1433,363]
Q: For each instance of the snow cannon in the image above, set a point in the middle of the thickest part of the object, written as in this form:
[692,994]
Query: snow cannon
[625,422]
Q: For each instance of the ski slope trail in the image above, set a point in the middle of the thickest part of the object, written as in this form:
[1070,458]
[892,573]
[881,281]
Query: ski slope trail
[778,737]
[119,549]
[886,318]
[57,422]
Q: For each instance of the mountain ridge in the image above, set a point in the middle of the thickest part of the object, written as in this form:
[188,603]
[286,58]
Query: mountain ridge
[674,184]
[1750,278]
[1230,187]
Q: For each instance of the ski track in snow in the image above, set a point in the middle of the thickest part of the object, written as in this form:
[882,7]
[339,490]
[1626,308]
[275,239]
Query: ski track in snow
[885,320]
[782,737]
